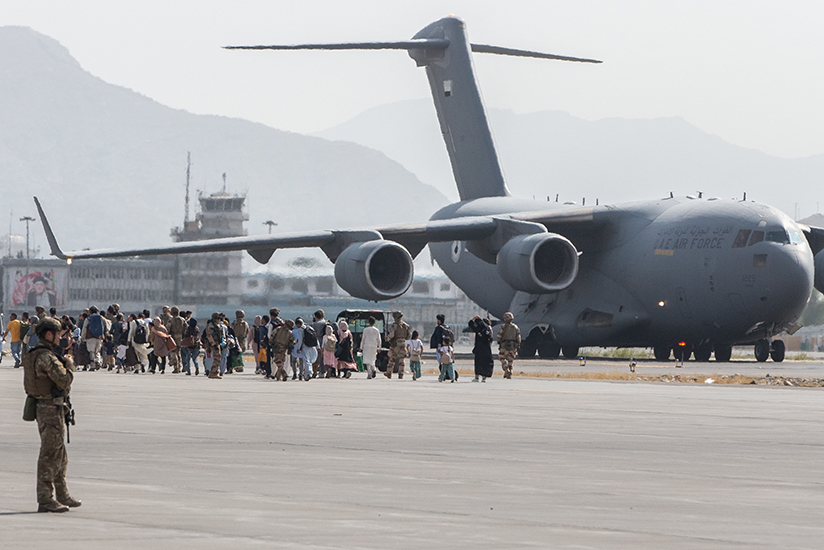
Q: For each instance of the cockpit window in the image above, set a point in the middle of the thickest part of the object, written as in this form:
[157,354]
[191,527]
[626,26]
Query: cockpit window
[796,238]
[741,239]
[757,237]
[778,236]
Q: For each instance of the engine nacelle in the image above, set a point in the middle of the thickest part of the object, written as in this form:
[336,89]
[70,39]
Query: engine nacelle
[818,278]
[374,270]
[538,263]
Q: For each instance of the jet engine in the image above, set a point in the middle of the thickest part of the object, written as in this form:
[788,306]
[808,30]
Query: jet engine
[538,263]
[374,270]
[818,278]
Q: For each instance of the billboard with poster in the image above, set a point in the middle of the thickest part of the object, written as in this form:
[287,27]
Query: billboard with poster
[46,286]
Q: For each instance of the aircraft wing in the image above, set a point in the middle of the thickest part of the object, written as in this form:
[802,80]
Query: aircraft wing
[261,247]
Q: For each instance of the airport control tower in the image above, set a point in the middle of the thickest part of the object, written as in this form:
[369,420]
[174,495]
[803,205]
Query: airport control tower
[215,278]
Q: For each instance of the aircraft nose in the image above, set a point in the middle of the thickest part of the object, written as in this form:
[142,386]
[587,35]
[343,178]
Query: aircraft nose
[790,271]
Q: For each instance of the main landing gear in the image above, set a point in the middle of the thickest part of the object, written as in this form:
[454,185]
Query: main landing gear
[764,349]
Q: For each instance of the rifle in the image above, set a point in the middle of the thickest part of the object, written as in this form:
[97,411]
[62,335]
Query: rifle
[69,418]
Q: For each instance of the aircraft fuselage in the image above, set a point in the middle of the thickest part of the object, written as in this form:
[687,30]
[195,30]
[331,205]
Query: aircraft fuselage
[699,270]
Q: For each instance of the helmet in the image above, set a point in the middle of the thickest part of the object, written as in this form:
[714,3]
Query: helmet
[239,314]
[47,324]
[508,317]
[290,324]
[175,310]
[397,315]
[215,316]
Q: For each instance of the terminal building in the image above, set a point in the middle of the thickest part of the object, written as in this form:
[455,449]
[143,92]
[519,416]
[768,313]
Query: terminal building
[204,283]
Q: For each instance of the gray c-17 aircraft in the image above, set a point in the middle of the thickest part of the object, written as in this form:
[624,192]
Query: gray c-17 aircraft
[683,274]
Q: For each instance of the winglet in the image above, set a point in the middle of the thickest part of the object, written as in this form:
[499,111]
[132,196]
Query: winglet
[55,248]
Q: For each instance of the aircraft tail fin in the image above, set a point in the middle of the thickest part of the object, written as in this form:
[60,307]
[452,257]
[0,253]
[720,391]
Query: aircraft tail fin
[444,50]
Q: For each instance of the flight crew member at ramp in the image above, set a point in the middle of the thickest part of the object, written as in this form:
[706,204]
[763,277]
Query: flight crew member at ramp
[48,379]
[509,341]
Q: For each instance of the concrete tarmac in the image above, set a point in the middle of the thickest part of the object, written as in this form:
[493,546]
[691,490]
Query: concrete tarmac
[173,461]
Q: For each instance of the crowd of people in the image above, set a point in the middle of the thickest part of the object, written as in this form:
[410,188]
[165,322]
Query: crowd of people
[140,344]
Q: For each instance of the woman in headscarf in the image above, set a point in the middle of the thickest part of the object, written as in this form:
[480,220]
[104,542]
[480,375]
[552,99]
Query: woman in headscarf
[346,362]
[254,341]
[483,348]
[190,347]
[157,338]
[328,345]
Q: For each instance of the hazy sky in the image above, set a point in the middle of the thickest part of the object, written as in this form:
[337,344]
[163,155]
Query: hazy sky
[751,72]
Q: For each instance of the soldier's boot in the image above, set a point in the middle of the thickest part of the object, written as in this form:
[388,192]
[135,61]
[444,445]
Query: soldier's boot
[52,506]
[67,500]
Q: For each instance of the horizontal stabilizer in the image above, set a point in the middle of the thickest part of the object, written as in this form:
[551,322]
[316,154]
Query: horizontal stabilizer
[484,48]
[423,44]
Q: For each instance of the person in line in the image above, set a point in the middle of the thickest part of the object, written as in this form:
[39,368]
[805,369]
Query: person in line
[160,349]
[241,329]
[328,345]
[13,330]
[48,379]
[139,339]
[397,335]
[93,330]
[484,363]
[296,357]
[441,330]
[253,338]
[309,351]
[176,327]
[370,344]
[415,351]
[190,347]
[319,326]
[216,338]
[509,341]
[281,342]
[447,359]
[262,342]
[346,361]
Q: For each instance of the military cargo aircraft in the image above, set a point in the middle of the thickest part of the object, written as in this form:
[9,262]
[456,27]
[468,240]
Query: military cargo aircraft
[692,275]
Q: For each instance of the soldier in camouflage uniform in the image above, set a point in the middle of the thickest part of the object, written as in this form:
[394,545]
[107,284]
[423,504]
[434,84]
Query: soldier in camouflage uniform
[399,333]
[509,341]
[176,327]
[281,343]
[216,337]
[48,379]
[241,329]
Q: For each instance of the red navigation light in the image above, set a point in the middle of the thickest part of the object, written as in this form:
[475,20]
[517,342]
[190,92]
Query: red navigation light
[682,344]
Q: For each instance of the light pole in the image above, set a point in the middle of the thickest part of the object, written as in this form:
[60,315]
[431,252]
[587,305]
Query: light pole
[270,223]
[26,219]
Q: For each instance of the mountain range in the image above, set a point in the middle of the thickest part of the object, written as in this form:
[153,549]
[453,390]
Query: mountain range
[109,164]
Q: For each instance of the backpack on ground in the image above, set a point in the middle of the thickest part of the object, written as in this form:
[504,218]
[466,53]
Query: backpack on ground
[140,335]
[96,326]
[309,337]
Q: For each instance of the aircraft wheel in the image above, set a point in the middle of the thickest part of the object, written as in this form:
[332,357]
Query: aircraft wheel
[723,353]
[570,352]
[778,350]
[762,350]
[662,353]
[548,349]
[702,354]
[527,349]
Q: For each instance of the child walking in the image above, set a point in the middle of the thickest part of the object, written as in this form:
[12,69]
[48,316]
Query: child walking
[415,349]
[447,360]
